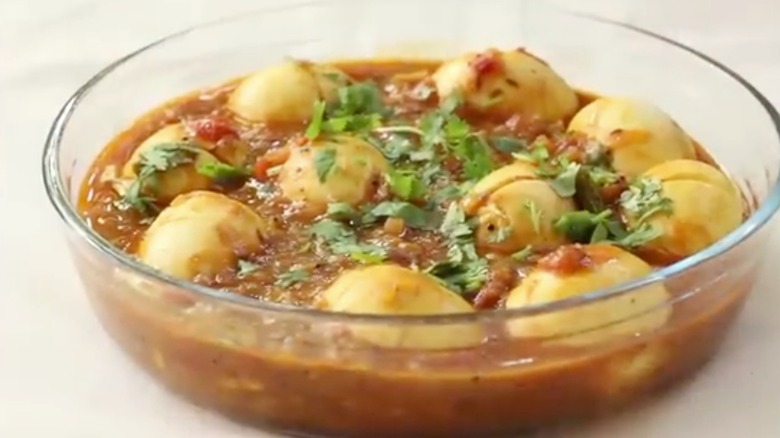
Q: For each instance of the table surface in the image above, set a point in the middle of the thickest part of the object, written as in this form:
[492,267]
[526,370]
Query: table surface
[61,376]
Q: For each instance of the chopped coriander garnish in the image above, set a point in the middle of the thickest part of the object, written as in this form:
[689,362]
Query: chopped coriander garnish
[157,159]
[324,161]
[462,277]
[445,194]
[222,172]
[579,225]
[406,184]
[317,118]
[451,192]
[396,147]
[245,267]
[509,145]
[412,215]
[603,176]
[589,194]
[638,236]
[360,98]
[451,103]
[295,275]
[524,254]
[645,198]
[433,172]
[535,214]
[359,109]
[536,153]
[474,153]
[331,231]
[454,224]
[342,240]
[464,271]
[565,183]
[443,127]
[341,211]
[586,227]
[399,146]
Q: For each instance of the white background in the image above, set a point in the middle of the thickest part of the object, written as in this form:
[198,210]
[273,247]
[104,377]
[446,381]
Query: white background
[60,376]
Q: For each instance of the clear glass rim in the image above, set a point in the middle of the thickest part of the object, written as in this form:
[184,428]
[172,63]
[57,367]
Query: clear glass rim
[58,196]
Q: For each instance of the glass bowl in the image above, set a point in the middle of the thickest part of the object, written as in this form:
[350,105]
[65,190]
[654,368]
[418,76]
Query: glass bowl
[290,369]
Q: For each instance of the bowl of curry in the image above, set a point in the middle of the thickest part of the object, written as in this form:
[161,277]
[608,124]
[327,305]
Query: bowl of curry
[354,233]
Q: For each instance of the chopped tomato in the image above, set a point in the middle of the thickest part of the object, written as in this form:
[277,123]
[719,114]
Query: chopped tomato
[566,260]
[271,159]
[213,128]
[485,63]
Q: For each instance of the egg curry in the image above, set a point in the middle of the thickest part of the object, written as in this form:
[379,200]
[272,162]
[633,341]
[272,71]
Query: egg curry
[474,185]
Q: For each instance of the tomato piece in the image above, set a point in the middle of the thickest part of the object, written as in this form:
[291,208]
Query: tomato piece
[271,159]
[566,260]
[486,63]
[213,128]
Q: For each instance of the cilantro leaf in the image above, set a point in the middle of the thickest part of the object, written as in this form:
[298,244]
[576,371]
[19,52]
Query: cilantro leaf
[360,98]
[461,277]
[509,145]
[644,198]
[583,226]
[359,108]
[157,159]
[412,215]
[564,183]
[222,172]
[639,236]
[324,161]
[396,147]
[330,230]
[603,176]
[406,184]
[451,103]
[536,153]
[524,254]
[318,116]
[341,240]
[341,211]
[245,268]
[588,191]
[578,226]
[295,275]
[464,271]
[474,153]
[442,127]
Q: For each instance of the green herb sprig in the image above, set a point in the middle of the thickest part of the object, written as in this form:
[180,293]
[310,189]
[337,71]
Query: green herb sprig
[464,271]
[342,240]
[159,158]
[359,109]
